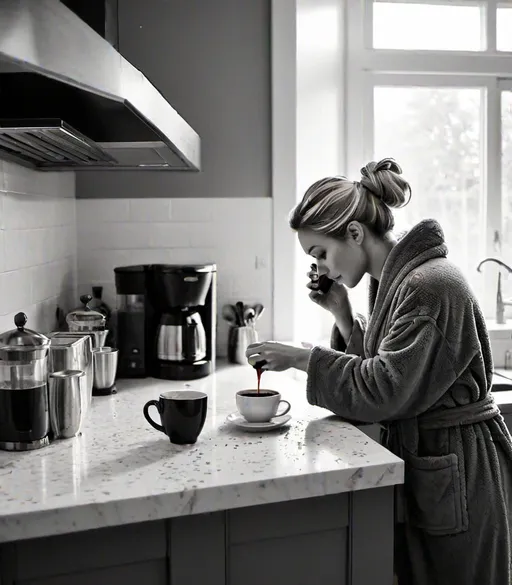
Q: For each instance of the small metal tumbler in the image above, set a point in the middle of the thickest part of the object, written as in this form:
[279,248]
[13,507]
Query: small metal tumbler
[238,341]
[66,404]
[105,369]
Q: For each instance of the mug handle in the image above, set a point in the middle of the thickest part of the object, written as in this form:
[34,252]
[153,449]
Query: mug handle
[286,408]
[155,425]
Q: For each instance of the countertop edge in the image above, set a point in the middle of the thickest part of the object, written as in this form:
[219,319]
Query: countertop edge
[72,519]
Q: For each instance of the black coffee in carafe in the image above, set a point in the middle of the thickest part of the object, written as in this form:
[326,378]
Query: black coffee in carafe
[24,411]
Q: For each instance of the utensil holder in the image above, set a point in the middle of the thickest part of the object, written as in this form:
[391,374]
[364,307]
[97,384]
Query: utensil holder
[239,339]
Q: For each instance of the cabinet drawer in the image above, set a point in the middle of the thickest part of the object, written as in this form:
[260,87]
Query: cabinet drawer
[288,518]
[302,560]
[148,573]
[93,549]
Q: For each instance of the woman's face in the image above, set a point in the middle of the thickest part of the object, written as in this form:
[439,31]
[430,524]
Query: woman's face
[343,261]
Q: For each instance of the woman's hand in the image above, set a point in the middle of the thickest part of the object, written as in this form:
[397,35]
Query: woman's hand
[278,357]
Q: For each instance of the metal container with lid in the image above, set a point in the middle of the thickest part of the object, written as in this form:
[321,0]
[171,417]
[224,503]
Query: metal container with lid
[84,318]
[24,414]
[73,351]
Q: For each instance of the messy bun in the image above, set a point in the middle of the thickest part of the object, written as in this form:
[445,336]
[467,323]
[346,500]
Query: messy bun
[382,179]
[330,204]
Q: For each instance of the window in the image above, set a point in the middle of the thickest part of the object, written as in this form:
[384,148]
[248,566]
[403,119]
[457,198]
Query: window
[418,25]
[436,135]
[504,28]
[428,82]
[441,104]
[506,174]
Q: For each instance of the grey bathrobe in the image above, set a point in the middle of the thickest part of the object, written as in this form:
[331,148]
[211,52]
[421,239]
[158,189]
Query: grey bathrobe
[423,368]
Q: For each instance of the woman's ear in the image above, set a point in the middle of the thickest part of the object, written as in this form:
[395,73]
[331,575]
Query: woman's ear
[355,232]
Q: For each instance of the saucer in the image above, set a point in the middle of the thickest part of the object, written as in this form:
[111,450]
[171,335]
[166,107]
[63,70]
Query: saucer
[239,421]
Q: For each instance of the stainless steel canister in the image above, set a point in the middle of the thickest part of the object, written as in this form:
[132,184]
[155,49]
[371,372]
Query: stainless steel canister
[105,369]
[73,352]
[66,403]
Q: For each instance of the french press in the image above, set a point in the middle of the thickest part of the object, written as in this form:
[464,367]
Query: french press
[24,412]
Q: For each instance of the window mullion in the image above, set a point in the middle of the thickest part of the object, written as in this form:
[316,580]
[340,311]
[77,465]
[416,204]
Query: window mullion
[489,24]
[492,181]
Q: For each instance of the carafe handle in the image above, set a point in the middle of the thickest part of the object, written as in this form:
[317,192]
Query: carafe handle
[191,332]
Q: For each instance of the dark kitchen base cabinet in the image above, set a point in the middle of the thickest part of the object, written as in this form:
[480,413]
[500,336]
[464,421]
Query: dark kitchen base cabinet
[345,539]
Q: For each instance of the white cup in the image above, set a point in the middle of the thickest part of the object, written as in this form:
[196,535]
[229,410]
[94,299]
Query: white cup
[260,407]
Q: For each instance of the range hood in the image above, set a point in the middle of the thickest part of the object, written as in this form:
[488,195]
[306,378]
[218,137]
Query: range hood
[70,101]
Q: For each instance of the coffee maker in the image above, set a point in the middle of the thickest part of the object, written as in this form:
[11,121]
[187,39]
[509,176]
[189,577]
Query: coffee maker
[134,322]
[166,320]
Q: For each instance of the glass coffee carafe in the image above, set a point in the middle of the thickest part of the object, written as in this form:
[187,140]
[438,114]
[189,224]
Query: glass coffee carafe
[24,412]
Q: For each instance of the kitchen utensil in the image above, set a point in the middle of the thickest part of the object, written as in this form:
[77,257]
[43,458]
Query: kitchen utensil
[66,403]
[249,316]
[73,353]
[240,308]
[258,310]
[229,314]
[239,338]
[24,419]
[105,369]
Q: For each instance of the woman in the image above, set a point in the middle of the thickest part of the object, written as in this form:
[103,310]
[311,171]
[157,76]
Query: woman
[422,367]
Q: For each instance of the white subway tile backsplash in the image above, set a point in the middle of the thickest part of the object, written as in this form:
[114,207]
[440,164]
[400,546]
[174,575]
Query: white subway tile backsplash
[102,210]
[236,234]
[169,235]
[17,290]
[37,245]
[196,210]
[150,209]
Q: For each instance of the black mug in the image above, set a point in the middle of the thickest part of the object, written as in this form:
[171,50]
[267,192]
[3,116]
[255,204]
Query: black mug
[182,414]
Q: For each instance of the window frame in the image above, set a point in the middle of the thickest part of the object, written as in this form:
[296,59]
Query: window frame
[489,69]
[360,61]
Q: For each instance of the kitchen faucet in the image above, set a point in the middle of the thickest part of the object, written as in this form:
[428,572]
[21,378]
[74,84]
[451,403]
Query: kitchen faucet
[500,303]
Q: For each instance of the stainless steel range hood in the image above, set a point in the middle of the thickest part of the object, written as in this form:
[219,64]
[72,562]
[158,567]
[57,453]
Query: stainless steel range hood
[70,101]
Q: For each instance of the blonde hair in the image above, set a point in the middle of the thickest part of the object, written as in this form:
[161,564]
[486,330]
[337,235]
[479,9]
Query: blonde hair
[329,205]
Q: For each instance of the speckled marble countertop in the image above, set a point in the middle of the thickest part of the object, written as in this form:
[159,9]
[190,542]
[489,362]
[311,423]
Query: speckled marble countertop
[120,470]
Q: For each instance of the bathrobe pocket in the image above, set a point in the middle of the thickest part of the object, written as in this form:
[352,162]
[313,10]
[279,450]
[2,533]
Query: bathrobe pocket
[435,494]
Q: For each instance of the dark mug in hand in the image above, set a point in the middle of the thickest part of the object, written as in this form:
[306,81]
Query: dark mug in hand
[323,282]
[182,414]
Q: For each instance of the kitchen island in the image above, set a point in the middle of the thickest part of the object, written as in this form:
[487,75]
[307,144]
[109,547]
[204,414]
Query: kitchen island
[311,502]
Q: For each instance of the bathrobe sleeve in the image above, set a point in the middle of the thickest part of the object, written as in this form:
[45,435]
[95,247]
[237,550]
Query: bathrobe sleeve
[355,343]
[411,371]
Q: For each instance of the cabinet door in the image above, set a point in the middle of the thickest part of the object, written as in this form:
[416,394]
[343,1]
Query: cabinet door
[150,573]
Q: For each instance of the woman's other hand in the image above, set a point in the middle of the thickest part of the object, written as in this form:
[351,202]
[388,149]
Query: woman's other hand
[278,357]
[335,301]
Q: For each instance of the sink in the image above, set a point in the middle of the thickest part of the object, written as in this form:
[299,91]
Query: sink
[502,380]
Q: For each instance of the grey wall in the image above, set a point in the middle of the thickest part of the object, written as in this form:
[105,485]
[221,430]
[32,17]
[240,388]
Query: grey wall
[211,59]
